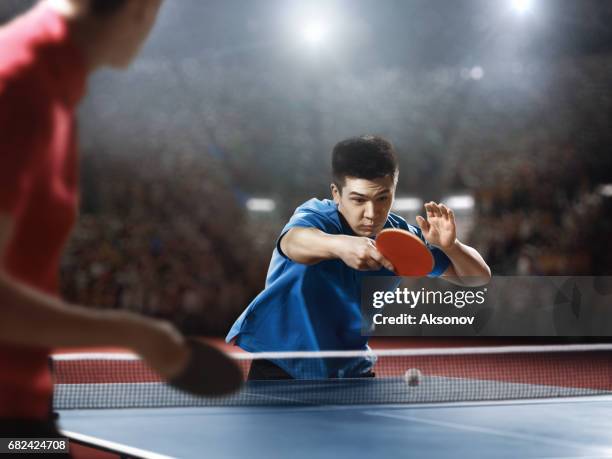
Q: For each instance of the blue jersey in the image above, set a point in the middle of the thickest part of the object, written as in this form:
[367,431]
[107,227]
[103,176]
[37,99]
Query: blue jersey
[315,307]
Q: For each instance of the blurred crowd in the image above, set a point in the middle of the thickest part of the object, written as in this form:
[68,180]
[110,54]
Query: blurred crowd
[551,221]
[165,231]
[172,245]
[539,176]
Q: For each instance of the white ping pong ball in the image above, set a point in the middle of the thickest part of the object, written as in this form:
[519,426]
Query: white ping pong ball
[412,376]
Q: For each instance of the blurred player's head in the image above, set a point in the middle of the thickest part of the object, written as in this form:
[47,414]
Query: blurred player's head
[365,171]
[109,32]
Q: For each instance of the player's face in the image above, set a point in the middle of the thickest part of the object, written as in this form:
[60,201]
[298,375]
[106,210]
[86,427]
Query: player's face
[365,204]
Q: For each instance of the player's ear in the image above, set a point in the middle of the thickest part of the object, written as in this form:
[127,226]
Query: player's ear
[335,193]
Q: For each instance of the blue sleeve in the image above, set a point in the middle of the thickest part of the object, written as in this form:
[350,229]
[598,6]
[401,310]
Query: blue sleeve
[307,218]
[441,261]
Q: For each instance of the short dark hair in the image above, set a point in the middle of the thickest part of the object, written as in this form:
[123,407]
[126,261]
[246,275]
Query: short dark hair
[106,7]
[367,157]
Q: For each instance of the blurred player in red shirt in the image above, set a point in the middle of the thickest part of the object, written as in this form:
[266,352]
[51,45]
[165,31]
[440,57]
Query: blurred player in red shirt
[47,55]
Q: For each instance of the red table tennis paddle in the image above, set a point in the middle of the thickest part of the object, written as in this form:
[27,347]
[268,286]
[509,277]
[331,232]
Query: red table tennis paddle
[408,254]
[209,372]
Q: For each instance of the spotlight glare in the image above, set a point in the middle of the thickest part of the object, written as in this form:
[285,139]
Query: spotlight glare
[606,190]
[477,73]
[314,33]
[260,205]
[460,202]
[522,6]
[407,204]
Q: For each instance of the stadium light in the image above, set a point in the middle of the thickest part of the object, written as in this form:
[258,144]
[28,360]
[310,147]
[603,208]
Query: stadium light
[313,25]
[314,32]
[606,190]
[407,204]
[260,205]
[476,73]
[521,6]
[459,202]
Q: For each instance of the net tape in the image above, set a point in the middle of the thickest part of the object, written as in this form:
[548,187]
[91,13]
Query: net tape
[101,380]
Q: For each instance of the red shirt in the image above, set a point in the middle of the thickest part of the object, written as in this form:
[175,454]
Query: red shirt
[42,77]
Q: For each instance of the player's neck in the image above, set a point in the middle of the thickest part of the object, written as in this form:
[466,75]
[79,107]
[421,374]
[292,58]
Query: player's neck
[82,30]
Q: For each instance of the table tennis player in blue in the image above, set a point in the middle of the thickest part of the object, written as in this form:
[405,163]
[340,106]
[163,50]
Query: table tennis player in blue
[311,300]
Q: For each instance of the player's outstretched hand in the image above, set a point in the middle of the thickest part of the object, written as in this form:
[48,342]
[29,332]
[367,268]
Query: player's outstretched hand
[360,253]
[440,228]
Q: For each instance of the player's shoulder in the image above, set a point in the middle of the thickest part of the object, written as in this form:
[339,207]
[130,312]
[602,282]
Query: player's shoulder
[323,207]
[23,94]
[18,55]
[23,41]
[319,213]
[399,222]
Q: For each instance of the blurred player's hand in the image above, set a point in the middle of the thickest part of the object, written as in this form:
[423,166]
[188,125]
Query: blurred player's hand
[360,253]
[440,228]
[160,344]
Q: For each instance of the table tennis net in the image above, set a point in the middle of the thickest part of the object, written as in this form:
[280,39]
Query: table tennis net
[92,381]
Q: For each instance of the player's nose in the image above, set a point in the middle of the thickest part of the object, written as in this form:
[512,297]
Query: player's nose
[369,211]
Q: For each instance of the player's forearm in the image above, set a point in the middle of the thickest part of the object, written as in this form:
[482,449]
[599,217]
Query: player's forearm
[33,318]
[470,267]
[310,245]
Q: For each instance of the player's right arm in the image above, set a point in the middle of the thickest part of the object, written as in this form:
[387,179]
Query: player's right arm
[29,317]
[311,245]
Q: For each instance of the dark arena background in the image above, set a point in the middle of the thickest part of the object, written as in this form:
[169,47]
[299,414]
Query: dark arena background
[193,160]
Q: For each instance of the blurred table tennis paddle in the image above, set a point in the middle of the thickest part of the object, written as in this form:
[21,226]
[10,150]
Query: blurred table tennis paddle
[209,372]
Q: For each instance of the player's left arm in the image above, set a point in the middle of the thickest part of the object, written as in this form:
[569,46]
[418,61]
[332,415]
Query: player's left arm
[467,266]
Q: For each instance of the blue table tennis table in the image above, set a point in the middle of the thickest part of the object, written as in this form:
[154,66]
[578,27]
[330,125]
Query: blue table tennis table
[568,425]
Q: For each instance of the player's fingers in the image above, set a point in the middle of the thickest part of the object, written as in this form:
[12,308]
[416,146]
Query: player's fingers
[443,210]
[436,209]
[375,256]
[423,224]
[370,265]
[430,210]
[388,265]
[451,216]
[382,261]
